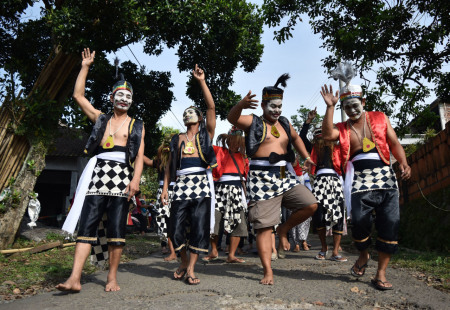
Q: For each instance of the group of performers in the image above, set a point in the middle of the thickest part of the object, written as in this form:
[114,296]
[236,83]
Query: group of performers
[248,174]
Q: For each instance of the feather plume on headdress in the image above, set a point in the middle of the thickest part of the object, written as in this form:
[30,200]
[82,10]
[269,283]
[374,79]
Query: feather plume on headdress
[344,72]
[274,92]
[282,80]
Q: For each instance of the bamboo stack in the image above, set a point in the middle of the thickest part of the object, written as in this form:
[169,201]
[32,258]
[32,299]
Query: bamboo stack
[13,148]
[55,78]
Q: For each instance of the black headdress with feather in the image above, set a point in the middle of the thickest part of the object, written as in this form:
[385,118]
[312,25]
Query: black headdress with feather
[274,92]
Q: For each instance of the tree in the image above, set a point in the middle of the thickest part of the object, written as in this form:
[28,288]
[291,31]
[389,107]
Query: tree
[196,27]
[406,42]
[300,119]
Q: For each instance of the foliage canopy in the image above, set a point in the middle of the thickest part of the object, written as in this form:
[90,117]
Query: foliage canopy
[405,42]
[217,35]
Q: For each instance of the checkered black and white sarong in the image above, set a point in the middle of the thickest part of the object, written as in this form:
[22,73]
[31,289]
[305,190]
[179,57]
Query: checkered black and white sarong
[99,252]
[162,219]
[109,178]
[263,185]
[229,203]
[372,179]
[329,193]
[191,186]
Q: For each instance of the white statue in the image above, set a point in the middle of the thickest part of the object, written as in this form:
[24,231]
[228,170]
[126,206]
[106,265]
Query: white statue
[34,207]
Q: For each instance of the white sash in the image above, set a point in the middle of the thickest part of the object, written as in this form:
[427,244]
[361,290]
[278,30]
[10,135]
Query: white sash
[211,187]
[307,181]
[326,171]
[74,215]
[350,173]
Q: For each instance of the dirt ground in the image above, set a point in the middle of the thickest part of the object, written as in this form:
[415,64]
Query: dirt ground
[301,282]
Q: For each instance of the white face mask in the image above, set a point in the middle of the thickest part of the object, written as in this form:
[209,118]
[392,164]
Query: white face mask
[190,116]
[122,99]
[273,109]
[353,108]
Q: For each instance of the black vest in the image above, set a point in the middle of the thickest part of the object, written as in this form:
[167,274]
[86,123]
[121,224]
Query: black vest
[134,137]
[257,133]
[204,146]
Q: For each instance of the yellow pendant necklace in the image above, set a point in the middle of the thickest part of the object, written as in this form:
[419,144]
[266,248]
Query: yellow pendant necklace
[109,143]
[189,148]
[366,144]
[273,129]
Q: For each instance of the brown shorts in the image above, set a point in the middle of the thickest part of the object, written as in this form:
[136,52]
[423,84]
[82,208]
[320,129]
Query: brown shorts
[266,213]
[240,230]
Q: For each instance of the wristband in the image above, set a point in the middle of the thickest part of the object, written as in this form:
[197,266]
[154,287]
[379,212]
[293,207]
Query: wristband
[307,158]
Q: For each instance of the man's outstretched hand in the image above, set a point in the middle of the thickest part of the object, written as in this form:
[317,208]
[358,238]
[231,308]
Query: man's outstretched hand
[88,57]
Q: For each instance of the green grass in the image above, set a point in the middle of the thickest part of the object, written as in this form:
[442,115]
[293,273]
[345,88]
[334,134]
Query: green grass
[434,266]
[33,273]
[430,266]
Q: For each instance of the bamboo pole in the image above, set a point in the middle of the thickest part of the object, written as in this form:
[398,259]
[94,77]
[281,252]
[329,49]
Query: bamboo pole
[12,251]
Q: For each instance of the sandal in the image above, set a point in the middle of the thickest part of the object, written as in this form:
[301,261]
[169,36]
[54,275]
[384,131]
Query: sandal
[338,258]
[306,246]
[181,273]
[377,283]
[210,258]
[192,280]
[360,269]
[321,255]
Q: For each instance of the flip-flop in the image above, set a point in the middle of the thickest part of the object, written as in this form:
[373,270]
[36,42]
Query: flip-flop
[192,279]
[274,257]
[338,258]
[281,253]
[360,269]
[377,282]
[181,273]
[236,261]
[321,255]
[210,258]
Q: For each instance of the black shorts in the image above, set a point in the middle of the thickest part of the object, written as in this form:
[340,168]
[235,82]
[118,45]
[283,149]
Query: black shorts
[94,207]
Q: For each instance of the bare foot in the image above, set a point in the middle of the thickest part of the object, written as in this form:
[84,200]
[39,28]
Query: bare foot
[71,286]
[284,242]
[170,258]
[268,278]
[112,286]
[297,248]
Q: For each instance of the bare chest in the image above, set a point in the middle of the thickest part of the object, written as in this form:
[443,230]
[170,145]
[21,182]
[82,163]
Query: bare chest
[117,131]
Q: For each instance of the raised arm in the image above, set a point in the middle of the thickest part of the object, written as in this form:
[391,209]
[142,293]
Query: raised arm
[305,128]
[329,132]
[398,151]
[199,75]
[80,85]
[243,121]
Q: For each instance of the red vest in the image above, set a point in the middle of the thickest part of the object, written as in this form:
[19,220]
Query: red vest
[226,163]
[378,128]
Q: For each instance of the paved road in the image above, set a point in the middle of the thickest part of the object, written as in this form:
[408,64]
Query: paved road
[300,283]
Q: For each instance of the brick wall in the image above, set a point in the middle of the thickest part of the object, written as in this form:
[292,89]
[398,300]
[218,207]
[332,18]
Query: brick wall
[430,167]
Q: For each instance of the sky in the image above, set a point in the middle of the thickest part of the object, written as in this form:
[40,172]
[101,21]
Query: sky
[300,56]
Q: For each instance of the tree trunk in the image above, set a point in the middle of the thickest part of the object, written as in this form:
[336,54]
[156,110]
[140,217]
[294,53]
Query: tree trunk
[23,186]
[57,79]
